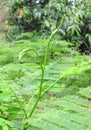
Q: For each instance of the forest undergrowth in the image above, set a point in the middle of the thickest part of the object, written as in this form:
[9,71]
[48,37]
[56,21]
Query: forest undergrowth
[45,65]
[65,102]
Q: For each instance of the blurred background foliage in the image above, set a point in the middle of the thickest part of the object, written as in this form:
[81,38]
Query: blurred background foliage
[43,16]
[29,25]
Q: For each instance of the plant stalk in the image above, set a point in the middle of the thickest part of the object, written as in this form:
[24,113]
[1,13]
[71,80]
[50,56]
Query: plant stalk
[40,95]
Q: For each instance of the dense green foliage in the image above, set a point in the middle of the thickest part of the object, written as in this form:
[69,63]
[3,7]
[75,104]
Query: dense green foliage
[66,104]
[45,84]
[45,15]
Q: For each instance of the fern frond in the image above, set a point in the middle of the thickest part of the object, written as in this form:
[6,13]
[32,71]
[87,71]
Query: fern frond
[85,92]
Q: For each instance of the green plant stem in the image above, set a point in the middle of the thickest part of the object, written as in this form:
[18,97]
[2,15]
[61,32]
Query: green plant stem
[51,86]
[52,35]
[42,78]
[42,75]
[39,94]
[25,126]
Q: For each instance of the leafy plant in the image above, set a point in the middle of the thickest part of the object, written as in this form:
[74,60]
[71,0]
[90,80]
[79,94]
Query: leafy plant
[39,95]
[26,116]
[59,102]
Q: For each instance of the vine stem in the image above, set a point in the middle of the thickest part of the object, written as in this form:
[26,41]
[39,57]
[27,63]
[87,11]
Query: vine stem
[52,35]
[40,95]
